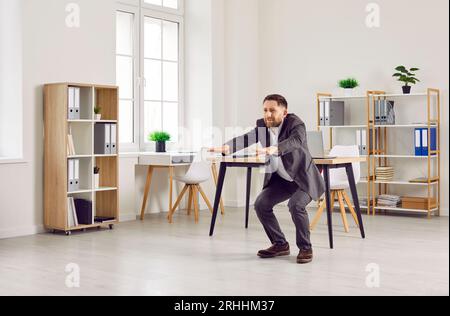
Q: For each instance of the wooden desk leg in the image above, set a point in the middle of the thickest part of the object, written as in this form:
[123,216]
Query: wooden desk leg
[351,181]
[146,191]
[220,181]
[214,172]
[247,205]
[171,188]
[326,175]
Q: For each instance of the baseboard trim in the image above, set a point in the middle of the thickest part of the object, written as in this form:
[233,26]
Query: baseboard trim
[128,217]
[21,231]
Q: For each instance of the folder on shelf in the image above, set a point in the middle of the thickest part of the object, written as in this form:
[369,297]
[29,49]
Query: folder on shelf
[377,111]
[77,103]
[76,173]
[358,140]
[102,139]
[390,113]
[74,211]
[336,113]
[84,211]
[70,217]
[364,150]
[322,113]
[418,141]
[433,140]
[71,103]
[113,139]
[326,111]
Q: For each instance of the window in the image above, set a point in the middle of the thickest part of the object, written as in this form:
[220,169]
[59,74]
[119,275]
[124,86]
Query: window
[172,4]
[161,73]
[125,61]
[149,71]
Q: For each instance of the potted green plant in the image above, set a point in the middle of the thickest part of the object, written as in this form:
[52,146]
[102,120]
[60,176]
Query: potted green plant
[160,138]
[407,77]
[98,111]
[348,85]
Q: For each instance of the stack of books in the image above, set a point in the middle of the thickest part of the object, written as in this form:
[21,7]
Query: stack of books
[384,173]
[389,201]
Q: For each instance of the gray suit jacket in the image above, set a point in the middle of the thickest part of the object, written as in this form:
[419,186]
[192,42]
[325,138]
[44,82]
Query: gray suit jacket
[294,152]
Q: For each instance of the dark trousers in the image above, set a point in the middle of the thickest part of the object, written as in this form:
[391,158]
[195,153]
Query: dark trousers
[278,191]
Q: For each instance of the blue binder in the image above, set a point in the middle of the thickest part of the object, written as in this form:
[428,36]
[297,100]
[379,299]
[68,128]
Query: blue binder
[418,142]
[433,140]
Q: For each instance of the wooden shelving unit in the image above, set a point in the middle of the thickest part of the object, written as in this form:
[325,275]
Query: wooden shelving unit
[105,199]
[379,154]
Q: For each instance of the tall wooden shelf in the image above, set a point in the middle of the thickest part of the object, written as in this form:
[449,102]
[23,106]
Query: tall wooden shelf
[379,147]
[105,198]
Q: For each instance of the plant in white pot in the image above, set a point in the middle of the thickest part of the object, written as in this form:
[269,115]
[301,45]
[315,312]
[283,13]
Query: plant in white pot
[407,77]
[98,113]
[348,85]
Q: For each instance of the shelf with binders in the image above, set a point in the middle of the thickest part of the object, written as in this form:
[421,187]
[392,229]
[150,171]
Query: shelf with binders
[405,146]
[79,175]
[80,103]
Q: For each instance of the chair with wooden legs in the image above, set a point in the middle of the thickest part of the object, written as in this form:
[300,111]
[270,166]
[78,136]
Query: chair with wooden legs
[338,184]
[198,173]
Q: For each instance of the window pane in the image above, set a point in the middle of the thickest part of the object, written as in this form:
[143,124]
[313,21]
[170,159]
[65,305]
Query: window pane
[152,74]
[124,73]
[173,4]
[170,41]
[152,119]
[152,38]
[170,120]
[126,127]
[154,2]
[124,43]
[170,81]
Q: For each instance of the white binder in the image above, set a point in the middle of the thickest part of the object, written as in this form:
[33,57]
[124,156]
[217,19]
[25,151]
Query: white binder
[107,139]
[77,103]
[76,174]
[322,113]
[327,113]
[71,103]
[358,141]
[364,150]
[113,139]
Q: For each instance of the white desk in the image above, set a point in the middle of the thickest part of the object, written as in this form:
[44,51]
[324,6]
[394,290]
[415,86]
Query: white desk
[170,161]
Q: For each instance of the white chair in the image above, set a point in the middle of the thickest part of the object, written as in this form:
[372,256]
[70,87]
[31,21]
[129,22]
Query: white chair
[199,172]
[338,185]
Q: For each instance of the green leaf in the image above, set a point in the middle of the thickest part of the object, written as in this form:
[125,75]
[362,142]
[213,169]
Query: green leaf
[401,69]
[159,137]
[414,69]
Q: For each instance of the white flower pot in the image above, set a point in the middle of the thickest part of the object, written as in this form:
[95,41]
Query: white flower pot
[348,92]
[98,117]
[97,180]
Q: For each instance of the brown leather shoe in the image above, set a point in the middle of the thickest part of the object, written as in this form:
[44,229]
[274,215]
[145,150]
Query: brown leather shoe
[305,256]
[275,251]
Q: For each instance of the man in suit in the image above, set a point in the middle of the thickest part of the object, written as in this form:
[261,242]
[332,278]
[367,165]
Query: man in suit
[291,175]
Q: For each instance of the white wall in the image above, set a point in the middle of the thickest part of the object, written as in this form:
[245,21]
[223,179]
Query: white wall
[52,53]
[11,138]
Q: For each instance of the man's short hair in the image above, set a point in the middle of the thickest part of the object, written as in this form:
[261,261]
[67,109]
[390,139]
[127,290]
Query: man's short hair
[278,98]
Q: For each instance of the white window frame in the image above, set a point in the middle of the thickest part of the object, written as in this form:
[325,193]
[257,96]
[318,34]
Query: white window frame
[134,146]
[171,18]
[142,10]
[179,11]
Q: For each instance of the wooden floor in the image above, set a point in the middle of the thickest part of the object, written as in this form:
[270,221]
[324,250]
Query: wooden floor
[155,258]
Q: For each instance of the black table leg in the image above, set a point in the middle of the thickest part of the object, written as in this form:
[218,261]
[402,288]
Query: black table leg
[326,175]
[247,205]
[351,181]
[220,181]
